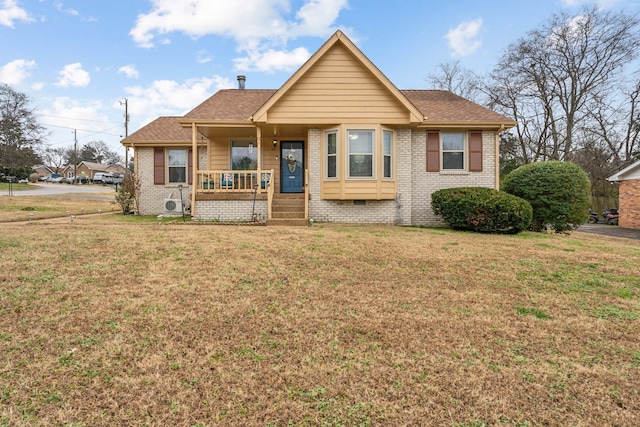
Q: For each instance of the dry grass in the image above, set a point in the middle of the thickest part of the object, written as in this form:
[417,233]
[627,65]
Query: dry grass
[19,208]
[127,322]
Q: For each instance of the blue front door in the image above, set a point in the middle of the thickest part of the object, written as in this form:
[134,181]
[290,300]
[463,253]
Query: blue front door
[292,166]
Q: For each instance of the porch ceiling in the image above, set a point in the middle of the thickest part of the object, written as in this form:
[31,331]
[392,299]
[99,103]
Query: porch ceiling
[269,132]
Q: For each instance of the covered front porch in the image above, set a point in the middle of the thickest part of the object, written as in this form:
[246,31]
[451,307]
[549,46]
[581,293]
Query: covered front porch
[246,165]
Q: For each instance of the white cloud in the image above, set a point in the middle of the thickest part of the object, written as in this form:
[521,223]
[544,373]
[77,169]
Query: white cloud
[130,71]
[463,39]
[168,97]
[37,86]
[10,11]
[14,72]
[73,75]
[317,16]
[203,57]
[58,5]
[272,60]
[261,28]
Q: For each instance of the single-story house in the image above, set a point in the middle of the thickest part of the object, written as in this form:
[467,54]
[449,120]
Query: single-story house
[628,195]
[89,169]
[42,170]
[337,142]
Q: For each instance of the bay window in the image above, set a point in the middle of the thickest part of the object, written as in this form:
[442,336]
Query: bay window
[387,156]
[331,159]
[360,153]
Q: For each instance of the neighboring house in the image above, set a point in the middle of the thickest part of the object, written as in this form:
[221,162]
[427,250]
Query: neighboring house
[42,170]
[337,142]
[628,195]
[89,170]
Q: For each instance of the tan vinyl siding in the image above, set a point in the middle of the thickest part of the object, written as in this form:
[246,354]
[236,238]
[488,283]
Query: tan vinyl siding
[358,190]
[338,89]
[219,155]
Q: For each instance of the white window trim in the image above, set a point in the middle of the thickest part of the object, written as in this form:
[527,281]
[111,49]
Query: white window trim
[375,144]
[465,153]
[336,132]
[168,166]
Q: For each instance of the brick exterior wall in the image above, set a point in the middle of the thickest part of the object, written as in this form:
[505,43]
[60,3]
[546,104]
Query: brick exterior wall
[629,196]
[230,210]
[425,183]
[411,207]
[152,196]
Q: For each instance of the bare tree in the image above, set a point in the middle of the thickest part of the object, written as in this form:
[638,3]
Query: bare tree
[452,76]
[54,158]
[550,79]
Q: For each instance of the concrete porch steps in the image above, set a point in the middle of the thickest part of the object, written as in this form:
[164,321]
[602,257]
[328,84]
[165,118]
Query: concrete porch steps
[287,210]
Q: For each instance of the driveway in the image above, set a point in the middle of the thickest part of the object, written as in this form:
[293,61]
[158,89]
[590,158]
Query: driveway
[66,190]
[610,230]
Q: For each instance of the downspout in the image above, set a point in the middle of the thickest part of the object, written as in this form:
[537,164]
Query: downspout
[498,157]
[194,166]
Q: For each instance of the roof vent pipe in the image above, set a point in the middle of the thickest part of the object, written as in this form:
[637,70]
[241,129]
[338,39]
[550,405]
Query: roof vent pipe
[241,80]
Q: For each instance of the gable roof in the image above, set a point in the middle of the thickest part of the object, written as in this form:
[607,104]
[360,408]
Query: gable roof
[93,165]
[630,172]
[339,37]
[163,129]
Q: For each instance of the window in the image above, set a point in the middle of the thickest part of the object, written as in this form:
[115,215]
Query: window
[360,153]
[387,149]
[244,155]
[331,165]
[453,151]
[177,165]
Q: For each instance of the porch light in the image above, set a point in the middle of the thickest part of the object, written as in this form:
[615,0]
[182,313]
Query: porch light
[275,142]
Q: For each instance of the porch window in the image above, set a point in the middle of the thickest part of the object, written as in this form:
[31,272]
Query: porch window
[331,163]
[387,150]
[177,166]
[360,153]
[453,151]
[244,155]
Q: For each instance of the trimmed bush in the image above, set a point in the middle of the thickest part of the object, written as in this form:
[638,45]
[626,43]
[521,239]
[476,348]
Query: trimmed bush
[559,193]
[481,209]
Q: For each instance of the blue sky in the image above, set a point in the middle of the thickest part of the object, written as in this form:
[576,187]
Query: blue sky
[79,59]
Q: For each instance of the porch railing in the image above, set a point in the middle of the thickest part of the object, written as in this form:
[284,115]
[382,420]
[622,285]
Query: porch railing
[233,181]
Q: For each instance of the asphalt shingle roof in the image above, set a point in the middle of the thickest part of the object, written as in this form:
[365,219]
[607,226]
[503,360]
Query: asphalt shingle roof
[438,106]
[161,129]
[231,104]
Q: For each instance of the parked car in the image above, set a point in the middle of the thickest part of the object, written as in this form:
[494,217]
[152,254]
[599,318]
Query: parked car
[101,177]
[57,179]
[77,180]
[23,181]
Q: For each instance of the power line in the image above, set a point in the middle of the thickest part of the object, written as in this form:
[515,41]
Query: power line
[72,118]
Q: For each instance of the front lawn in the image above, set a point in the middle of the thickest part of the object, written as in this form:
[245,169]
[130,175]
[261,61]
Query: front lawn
[107,322]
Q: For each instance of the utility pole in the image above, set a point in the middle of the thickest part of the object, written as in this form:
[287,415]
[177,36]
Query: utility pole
[126,131]
[75,155]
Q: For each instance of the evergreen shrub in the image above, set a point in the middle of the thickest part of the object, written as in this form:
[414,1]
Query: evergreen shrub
[481,209]
[559,193]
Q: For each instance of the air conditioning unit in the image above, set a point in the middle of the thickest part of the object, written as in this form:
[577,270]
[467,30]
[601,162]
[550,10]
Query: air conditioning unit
[173,206]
